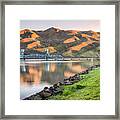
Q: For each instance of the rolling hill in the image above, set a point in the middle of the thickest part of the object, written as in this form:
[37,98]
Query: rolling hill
[68,43]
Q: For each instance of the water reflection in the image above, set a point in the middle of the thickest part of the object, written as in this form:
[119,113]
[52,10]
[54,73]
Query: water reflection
[34,77]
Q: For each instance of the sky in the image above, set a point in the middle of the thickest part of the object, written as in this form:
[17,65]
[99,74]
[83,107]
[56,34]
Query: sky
[61,24]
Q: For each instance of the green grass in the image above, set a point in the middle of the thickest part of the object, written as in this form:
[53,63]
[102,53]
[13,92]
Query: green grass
[86,89]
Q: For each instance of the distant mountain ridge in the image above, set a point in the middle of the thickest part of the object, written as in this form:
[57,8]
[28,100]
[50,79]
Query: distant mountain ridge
[68,43]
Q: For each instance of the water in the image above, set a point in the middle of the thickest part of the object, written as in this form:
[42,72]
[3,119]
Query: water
[34,76]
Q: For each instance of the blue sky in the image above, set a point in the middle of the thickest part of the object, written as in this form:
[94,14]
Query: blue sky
[62,24]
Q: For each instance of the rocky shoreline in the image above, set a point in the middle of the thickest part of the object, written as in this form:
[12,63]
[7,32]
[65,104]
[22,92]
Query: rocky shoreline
[59,87]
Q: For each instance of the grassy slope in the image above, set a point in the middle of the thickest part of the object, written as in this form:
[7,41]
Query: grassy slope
[86,89]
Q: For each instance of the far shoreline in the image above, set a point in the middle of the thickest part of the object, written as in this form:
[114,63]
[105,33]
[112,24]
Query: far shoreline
[56,61]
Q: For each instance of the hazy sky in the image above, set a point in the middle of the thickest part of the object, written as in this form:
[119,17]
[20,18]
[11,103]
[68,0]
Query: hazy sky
[62,24]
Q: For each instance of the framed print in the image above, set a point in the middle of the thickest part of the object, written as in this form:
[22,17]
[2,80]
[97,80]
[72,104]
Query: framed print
[60,60]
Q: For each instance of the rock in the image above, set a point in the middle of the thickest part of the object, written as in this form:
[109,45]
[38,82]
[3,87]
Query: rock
[45,88]
[71,78]
[56,85]
[67,82]
[56,90]
[85,72]
[90,68]
[51,89]
[65,79]
[97,65]
[74,81]
[77,76]
[45,93]
[59,84]
[94,66]
[37,97]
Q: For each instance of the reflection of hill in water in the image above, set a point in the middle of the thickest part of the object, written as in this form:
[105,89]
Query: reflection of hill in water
[50,72]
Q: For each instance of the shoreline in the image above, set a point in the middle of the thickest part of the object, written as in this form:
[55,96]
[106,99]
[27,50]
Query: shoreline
[56,61]
[34,62]
[58,88]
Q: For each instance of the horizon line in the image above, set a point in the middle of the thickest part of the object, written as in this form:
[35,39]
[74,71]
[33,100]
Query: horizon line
[58,28]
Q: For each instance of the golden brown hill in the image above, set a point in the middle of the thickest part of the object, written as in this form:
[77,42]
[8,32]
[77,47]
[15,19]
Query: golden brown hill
[50,49]
[78,47]
[33,44]
[69,40]
[95,36]
[24,31]
[28,34]
[34,35]
[72,32]
[64,42]
[84,35]
[25,40]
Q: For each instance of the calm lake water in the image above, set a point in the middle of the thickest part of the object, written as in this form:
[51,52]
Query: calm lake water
[35,76]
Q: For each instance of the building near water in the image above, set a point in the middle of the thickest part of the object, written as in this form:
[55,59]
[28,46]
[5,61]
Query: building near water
[43,55]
